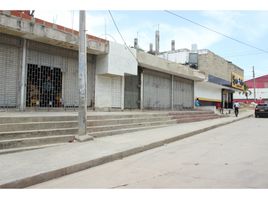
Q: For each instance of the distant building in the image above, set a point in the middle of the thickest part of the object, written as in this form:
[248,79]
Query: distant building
[223,78]
[261,85]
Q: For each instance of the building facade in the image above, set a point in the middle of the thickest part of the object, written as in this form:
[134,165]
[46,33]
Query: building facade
[223,78]
[39,69]
[261,91]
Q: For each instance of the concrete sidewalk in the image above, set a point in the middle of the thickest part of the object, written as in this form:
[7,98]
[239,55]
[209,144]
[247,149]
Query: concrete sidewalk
[22,169]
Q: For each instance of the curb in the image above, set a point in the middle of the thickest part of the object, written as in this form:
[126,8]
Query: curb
[42,177]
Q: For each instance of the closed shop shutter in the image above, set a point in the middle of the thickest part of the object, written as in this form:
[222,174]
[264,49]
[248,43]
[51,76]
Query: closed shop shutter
[67,61]
[9,65]
[132,92]
[116,91]
[157,90]
[182,93]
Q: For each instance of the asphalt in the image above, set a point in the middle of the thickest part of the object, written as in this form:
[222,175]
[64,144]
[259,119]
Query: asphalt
[23,169]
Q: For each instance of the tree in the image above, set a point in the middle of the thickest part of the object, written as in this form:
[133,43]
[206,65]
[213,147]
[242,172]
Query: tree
[246,90]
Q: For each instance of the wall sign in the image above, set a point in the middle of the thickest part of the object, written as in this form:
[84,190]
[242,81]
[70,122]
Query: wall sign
[237,81]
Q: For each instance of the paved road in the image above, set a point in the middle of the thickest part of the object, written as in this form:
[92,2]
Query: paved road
[232,156]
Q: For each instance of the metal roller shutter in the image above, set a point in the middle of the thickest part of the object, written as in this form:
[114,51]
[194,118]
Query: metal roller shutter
[157,90]
[132,92]
[67,61]
[9,65]
[182,93]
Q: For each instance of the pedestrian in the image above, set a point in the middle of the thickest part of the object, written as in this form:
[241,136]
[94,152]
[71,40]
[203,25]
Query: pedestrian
[197,103]
[236,108]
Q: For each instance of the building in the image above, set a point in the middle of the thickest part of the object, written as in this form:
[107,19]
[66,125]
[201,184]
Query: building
[39,69]
[261,91]
[223,78]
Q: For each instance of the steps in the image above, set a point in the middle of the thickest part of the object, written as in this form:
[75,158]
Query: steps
[25,133]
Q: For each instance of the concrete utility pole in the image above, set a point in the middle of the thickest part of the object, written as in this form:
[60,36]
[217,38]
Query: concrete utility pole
[82,76]
[23,77]
[254,84]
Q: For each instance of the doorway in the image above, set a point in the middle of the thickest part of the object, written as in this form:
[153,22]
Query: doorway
[44,86]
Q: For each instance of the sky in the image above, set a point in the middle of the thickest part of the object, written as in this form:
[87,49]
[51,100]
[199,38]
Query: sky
[243,20]
[249,27]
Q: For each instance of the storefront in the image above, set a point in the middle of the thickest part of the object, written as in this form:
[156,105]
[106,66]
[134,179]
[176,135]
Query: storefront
[51,74]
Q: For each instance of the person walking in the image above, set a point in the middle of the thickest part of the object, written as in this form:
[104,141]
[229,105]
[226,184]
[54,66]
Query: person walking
[236,108]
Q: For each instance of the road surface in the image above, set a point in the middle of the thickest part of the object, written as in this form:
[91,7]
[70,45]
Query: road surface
[232,156]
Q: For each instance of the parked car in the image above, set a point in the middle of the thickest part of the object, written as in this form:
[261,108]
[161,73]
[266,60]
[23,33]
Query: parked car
[261,110]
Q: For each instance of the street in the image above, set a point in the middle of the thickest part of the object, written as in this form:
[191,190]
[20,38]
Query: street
[231,156]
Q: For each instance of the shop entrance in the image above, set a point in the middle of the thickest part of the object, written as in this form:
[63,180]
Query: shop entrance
[44,86]
[227,99]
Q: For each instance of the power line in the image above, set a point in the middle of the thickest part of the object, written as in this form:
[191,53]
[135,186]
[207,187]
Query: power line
[249,54]
[212,30]
[121,35]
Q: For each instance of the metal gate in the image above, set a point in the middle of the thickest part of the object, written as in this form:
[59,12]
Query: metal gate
[44,86]
[116,91]
[183,94]
[156,90]
[132,92]
[67,61]
[9,69]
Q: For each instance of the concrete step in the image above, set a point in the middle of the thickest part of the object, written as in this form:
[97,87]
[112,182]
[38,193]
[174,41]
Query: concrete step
[37,133]
[22,133]
[26,142]
[14,150]
[126,115]
[37,125]
[192,116]
[74,124]
[182,113]
[27,119]
[126,120]
[126,126]
[122,131]
[186,120]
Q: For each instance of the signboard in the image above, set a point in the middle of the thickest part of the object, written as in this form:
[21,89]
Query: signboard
[237,81]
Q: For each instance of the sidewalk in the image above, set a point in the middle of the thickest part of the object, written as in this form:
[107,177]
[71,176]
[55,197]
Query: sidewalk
[22,169]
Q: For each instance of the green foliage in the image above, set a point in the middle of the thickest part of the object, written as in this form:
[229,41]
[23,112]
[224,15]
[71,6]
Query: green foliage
[246,90]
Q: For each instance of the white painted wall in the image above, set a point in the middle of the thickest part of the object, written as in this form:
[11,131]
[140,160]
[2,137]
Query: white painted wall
[118,61]
[207,90]
[261,93]
[108,91]
[103,92]
[177,57]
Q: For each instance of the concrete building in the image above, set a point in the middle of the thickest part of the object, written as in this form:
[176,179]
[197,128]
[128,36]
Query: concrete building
[223,78]
[39,69]
[261,90]
[39,62]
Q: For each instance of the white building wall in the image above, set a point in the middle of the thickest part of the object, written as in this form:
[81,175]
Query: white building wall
[178,57]
[207,91]
[118,61]
[103,92]
[110,70]
[261,93]
[108,93]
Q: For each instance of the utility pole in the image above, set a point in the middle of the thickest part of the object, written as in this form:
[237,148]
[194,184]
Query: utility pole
[254,84]
[23,77]
[82,77]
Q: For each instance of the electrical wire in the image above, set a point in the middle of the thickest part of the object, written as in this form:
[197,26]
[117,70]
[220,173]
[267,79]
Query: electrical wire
[249,54]
[212,30]
[121,35]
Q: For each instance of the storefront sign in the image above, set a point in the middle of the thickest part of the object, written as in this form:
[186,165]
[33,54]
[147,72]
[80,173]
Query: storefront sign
[237,81]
